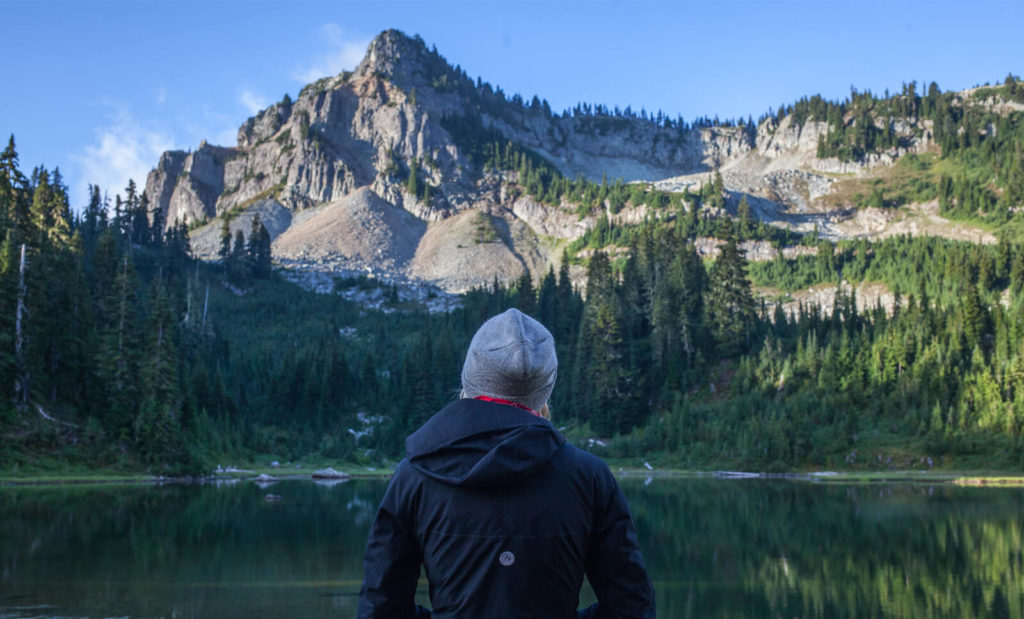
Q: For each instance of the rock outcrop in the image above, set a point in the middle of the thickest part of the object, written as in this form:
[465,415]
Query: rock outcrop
[329,173]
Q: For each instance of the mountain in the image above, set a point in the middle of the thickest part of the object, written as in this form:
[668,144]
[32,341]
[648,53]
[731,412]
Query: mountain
[409,170]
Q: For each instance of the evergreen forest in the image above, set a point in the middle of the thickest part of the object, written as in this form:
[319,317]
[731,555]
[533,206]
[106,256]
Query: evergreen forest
[119,350]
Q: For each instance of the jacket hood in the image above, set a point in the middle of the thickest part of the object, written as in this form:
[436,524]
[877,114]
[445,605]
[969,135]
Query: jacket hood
[477,443]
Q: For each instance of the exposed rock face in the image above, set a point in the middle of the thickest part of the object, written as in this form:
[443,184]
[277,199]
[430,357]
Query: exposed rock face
[359,229]
[547,221]
[866,297]
[205,240]
[453,254]
[328,173]
[186,185]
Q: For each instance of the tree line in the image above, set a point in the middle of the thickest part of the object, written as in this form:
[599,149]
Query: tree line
[90,303]
[119,349]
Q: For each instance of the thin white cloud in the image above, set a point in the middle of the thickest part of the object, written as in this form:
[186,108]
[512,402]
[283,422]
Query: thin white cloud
[129,146]
[344,53]
[252,101]
[225,137]
[205,123]
[122,150]
[161,95]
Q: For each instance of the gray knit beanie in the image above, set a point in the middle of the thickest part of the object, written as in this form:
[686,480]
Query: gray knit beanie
[512,357]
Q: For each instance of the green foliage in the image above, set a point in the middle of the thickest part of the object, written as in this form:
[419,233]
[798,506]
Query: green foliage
[981,171]
[98,358]
[491,153]
[160,364]
[730,302]
[483,228]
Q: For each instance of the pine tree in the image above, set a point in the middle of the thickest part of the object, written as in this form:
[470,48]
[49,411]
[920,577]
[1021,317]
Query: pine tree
[8,307]
[975,318]
[633,301]
[258,249]
[746,223]
[567,305]
[252,248]
[15,197]
[689,279]
[526,299]
[264,264]
[225,242]
[117,355]
[239,265]
[602,374]
[51,214]
[41,212]
[56,290]
[1017,271]
[547,308]
[156,429]
[90,224]
[731,309]
[600,283]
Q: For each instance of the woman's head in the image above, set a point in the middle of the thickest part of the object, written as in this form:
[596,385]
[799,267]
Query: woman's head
[511,357]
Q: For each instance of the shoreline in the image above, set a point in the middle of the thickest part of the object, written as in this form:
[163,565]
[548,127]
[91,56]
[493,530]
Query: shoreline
[960,478]
[72,480]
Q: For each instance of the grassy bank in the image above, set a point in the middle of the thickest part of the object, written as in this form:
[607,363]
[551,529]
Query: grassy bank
[61,473]
[45,471]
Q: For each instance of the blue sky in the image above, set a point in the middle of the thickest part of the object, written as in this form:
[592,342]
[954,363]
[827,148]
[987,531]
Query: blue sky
[100,88]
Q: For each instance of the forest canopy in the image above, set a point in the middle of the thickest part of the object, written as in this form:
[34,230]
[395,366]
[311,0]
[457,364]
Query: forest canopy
[119,349]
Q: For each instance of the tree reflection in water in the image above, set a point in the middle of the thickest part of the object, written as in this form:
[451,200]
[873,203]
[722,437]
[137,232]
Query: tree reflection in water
[715,548]
[755,548]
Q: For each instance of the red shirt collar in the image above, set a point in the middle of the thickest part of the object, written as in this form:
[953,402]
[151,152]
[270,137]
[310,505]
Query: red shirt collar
[508,402]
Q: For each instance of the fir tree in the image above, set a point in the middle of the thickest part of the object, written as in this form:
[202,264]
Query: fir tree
[117,354]
[547,300]
[8,307]
[258,249]
[746,223]
[526,299]
[603,375]
[730,306]
[239,267]
[225,242]
[156,430]
[15,197]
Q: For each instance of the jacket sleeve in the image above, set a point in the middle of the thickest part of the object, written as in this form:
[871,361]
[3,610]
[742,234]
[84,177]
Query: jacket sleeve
[391,563]
[615,566]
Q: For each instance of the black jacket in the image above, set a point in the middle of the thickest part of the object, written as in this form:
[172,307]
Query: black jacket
[506,518]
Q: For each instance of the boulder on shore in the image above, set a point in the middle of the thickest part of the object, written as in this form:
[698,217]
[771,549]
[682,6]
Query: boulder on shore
[330,473]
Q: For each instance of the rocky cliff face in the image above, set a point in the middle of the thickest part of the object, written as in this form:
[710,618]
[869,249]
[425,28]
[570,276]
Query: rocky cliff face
[330,170]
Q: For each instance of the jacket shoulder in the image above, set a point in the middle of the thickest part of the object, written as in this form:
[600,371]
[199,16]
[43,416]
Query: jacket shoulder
[404,477]
[586,462]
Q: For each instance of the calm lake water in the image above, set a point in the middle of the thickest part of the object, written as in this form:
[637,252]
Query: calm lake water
[714,548]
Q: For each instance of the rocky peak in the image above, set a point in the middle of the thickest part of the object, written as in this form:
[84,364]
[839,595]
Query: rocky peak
[378,171]
[403,60]
[264,124]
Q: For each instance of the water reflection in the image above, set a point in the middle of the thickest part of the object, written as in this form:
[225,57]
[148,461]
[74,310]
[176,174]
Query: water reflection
[185,550]
[715,548]
[721,548]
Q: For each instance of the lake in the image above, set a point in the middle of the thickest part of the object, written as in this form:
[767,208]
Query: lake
[714,548]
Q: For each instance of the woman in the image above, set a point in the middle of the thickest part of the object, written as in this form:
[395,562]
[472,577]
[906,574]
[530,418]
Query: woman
[504,516]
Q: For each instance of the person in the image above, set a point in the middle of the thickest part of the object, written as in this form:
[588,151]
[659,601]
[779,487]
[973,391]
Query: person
[504,516]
